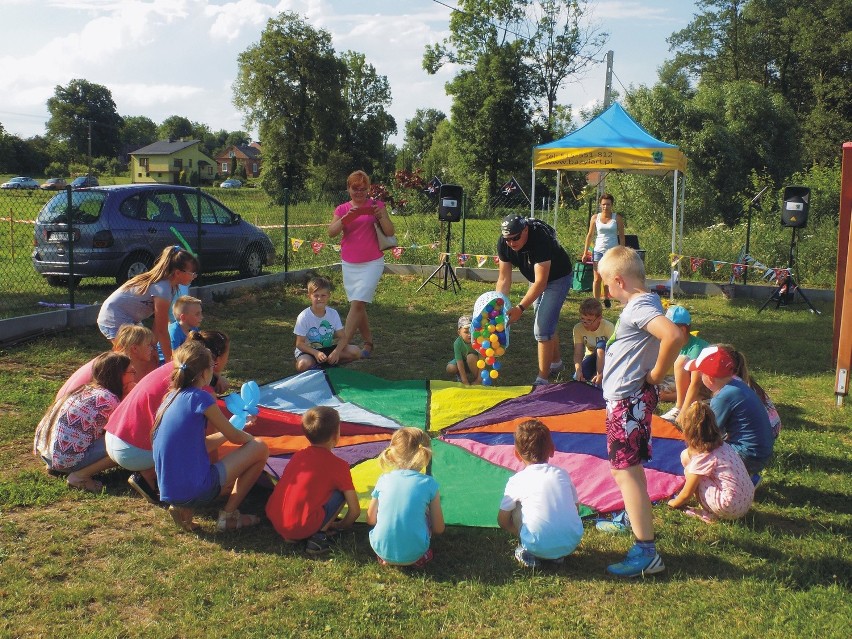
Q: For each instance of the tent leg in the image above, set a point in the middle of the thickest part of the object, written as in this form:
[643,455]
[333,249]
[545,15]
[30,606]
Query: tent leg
[674,235]
[532,195]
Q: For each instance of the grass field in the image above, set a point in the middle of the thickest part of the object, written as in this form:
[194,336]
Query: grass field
[75,565]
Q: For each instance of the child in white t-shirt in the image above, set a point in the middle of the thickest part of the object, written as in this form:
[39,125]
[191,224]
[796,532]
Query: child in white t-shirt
[317,330]
[540,502]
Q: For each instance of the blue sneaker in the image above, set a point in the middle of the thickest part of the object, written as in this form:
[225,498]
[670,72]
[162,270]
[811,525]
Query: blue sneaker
[526,558]
[620,523]
[636,563]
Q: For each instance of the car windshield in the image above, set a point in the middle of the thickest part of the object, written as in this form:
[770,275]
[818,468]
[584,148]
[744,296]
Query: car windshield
[85,208]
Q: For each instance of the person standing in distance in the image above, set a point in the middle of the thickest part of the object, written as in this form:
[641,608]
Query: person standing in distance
[531,245]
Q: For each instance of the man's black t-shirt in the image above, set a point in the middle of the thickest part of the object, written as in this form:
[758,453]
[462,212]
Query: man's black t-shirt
[541,246]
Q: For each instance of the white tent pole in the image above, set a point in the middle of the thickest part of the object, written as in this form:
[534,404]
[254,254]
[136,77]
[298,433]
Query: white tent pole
[674,235]
[682,198]
[532,193]
[556,204]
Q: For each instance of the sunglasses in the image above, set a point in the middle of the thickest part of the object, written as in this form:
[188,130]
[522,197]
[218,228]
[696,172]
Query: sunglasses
[513,238]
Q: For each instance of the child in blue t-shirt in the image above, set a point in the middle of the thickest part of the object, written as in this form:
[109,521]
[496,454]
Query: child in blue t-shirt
[406,506]
[740,414]
[186,478]
[188,316]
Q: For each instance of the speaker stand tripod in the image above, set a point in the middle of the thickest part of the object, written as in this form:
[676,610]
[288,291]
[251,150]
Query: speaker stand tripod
[786,291]
[449,275]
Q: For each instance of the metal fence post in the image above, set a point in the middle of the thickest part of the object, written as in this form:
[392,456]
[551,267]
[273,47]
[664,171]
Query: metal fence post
[286,230]
[69,216]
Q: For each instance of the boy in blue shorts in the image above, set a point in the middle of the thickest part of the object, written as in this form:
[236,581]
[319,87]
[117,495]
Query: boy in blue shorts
[644,347]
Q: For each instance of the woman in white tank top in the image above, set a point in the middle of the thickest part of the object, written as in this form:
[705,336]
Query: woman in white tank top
[608,230]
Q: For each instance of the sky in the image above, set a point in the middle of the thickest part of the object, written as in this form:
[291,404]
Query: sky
[179,57]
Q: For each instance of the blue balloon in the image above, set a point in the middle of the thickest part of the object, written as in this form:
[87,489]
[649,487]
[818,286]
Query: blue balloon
[243,405]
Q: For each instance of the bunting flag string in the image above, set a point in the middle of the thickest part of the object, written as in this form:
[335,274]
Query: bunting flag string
[737,269]
[480,260]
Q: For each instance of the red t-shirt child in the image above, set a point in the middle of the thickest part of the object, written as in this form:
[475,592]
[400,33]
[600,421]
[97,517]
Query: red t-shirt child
[296,506]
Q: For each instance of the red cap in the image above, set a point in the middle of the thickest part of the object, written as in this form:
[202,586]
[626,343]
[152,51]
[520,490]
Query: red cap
[712,361]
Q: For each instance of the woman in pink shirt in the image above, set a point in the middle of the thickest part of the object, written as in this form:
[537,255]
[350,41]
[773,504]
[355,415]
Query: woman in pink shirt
[363,260]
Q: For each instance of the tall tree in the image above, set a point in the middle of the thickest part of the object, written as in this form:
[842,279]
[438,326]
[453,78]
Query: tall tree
[419,131]
[175,127]
[368,126]
[80,108]
[289,84]
[137,131]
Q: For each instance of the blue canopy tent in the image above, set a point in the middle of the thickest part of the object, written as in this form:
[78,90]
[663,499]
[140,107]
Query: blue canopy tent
[613,141]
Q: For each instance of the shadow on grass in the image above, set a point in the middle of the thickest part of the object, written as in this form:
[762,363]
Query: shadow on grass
[785,495]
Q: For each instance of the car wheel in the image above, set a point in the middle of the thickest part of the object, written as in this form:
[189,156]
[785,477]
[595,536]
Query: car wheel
[61,281]
[252,263]
[134,265]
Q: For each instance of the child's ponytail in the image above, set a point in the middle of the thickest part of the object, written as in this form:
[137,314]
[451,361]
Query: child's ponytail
[190,360]
[409,449]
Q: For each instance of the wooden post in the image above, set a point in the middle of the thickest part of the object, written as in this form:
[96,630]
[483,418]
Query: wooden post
[842,342]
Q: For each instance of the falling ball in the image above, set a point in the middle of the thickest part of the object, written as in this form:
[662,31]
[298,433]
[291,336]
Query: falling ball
[490,361]
[489,352]
[487,381]
[480,364]
[484,375]
[494,374]
[497,365]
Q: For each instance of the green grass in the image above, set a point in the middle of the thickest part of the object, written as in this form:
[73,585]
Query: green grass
[110,565]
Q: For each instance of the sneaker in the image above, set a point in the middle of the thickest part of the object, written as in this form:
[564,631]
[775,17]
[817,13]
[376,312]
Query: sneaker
[539,381]
[318,544]
[619,523]
[526,558]
[671,414]
[700,513]
[557,367]
[636,563]
[140,485]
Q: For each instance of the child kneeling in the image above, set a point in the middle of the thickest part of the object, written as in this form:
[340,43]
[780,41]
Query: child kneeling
[185,475]
[406,506]
[540,502]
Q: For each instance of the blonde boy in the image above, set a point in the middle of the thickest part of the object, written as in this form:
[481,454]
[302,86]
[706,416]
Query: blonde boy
[314,487]
[188,317]
[463,364]
[317,329]
[590,336]
[645,346]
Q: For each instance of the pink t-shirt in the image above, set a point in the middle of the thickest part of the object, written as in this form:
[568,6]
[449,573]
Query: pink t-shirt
[133,419]
[81,376]
[359,243]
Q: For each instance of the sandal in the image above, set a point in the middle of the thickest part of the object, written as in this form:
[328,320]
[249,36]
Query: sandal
[367,351]
[700,513]
[88,484]
[234,520]
[183,518]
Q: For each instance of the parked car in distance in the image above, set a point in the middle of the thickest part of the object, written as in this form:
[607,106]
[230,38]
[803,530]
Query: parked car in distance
[118,231]
[54,184]
[20,183]
[84,182]
[231,183]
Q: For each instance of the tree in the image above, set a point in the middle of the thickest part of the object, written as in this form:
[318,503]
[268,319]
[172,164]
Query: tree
[80,108]
[419,131]
[289,84]
[175,127]
[368,124]
[136,132]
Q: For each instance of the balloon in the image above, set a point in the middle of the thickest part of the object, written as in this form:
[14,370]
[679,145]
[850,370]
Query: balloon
[243,405]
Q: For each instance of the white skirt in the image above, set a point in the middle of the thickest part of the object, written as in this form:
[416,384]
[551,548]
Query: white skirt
[361,279]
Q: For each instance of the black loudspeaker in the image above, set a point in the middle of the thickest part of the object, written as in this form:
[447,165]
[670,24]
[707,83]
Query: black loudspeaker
[794,212]
[450,203]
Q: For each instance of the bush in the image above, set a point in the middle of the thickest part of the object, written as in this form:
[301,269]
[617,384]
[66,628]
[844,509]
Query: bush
[55,170]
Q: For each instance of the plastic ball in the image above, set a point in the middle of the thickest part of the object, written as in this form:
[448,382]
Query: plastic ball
[487,381]
[489,361]
[494,338]
[498,301]
[500,327]
[500,351]
[497,365]
[491,329]
[494,374]
[480,364]
[484,375]
[489,352]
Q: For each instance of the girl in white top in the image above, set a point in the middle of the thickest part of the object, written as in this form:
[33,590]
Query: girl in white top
[150,293]
[608,230]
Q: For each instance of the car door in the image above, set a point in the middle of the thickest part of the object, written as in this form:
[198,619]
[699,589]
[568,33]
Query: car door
[221,243]
[166,221]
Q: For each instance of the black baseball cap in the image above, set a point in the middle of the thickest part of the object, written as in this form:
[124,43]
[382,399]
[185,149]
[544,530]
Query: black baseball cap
[512,225]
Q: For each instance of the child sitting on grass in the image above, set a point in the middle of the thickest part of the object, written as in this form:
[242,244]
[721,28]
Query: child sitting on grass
[714,472]
[463,364]
[188,316]
[317,328]
[185,475]
[688,386]
[540,502]
[740,414]
[590,336]
[314,487]
[406,506]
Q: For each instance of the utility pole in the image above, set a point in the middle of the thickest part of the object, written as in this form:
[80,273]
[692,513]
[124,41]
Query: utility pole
[89,173]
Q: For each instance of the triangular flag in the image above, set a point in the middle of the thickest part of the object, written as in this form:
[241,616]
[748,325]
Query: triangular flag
[296,244]
[480,260]
[316,247]
[463,258]
[397,251]
[335,247]
[676,259]
[695,263]
[717,266]
[433,187]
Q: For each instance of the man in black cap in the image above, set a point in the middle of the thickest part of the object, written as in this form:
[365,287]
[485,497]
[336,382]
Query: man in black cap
[531,245]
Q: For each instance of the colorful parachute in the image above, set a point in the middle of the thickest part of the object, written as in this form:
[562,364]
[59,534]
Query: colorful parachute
[473,444]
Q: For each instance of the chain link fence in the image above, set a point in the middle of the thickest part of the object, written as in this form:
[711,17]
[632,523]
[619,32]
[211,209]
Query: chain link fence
[66,247]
